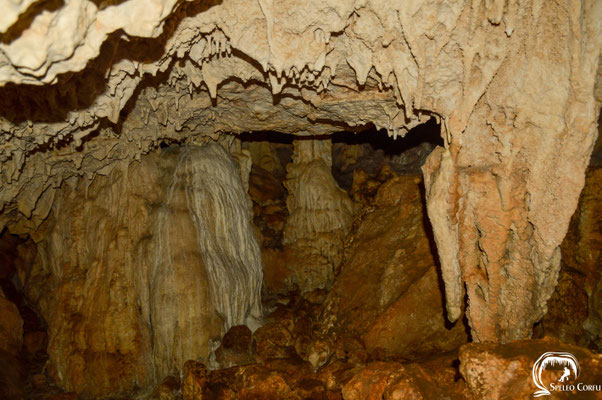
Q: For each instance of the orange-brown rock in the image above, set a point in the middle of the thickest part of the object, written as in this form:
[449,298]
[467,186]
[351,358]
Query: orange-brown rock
[63,396]
[11,327]
[277,269]
[315,349]
[388,290]
[272,340]
[235,347]
[12,377]
[261,383]
[194,381]
[292,369]
[336,374]
[436,378]
[169,389]
[415,324]
[311,389]
[34,342]
[500,372]
[269,205]
[39,381]
[371,382]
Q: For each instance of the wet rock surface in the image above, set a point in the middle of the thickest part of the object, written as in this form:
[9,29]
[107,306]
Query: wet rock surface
[285,369]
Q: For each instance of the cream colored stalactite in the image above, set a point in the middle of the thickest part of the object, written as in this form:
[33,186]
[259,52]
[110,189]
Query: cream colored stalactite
[516,166]
[440,176]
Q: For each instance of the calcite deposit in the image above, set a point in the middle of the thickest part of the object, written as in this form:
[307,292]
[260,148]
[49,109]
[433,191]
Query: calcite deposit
[128,170]
[320,215]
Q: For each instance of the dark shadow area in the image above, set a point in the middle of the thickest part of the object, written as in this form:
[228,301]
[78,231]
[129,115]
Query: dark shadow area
[429,132]
[374,149]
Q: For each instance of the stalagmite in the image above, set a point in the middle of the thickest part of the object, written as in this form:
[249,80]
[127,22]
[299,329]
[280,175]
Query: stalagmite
[218,207]
[320,215]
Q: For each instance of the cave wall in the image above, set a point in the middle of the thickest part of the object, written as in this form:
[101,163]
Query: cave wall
[512,83]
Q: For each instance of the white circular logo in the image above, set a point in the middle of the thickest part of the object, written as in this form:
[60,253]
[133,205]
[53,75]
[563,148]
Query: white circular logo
[551,359]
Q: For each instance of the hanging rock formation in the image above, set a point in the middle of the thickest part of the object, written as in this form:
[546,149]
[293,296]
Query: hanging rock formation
[85,88]
[145,269]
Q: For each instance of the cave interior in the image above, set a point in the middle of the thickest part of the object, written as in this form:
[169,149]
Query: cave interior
[345,200]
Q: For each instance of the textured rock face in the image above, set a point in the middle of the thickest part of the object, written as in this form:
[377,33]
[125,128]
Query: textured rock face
[512,83]
[11,327]
[388,290]
[140,270]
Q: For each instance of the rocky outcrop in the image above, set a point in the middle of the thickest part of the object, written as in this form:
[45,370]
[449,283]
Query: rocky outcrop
[11,327]
[144,269]
[388,291]
[11,342]
[434,379]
